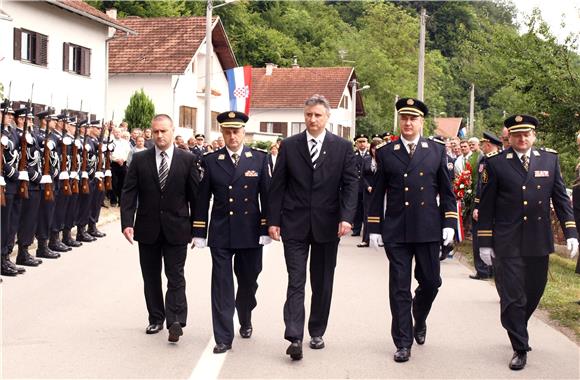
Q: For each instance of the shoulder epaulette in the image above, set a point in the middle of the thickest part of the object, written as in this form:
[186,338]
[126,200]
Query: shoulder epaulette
[259,150]
[549,150]
[381,145]
[206,153]
[491,154]
[432,138]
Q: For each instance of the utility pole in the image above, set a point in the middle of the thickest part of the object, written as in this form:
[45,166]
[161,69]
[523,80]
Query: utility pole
[396,116]
[208,53]
[421,79]
[471,109]
[353,84]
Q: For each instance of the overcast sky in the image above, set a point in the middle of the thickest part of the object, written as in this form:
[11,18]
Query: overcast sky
[552,13]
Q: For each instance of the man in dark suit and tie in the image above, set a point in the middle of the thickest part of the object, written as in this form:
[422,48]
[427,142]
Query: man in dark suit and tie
[165,182]
[420,214]
[312,204]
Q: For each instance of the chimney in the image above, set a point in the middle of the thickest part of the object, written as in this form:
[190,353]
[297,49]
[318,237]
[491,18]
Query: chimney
[295,62]
[112,13]
[270,68]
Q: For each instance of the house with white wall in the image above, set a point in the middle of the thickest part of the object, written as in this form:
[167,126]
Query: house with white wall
[278,95]
[166,58]
[56,52]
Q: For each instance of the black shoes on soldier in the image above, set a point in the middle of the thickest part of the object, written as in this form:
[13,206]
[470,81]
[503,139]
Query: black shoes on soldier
[402,355]
[295,350]
[519,360]
[93,231]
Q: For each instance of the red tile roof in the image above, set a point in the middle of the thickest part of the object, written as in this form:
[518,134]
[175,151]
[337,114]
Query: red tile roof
[290,87]
[447,126]
[80,7]
[164,45]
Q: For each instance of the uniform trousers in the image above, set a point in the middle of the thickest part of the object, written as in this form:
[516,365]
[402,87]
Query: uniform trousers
[14,222]
[520,294]
[173,256]
[322,265]
[29,217]
[71,214]
[118,173]
[482,269]
[5,222]
[83,210]
[427,274]
[45,217]
[97,198]
[366,204]
[61,205]
[247,266]
[358,216]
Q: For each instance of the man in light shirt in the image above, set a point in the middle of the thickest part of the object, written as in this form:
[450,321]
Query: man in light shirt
[119,164]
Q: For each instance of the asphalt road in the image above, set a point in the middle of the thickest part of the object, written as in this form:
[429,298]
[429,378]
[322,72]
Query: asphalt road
[83,316]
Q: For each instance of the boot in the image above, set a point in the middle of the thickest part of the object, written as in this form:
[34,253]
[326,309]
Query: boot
[93,231]
[44,251]
[68,240]
[7,269]
[24,258]
[55,244]
[83,236]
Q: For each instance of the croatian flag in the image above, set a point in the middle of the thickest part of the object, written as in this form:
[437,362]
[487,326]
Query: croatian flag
[240,84]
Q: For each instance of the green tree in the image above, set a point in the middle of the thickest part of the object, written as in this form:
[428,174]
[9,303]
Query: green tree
[158,8]
[140,111]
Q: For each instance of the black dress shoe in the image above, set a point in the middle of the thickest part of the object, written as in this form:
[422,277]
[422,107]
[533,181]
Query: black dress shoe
[402,355]
[93,231]
[28,261]
[246,331]
[419,332]
[220,348]
[8,270]
[20,270]
[519,360]
[154,328]
[83,236]
[362,245]
[295,350]
[316,343]
[477,276]
[175,331]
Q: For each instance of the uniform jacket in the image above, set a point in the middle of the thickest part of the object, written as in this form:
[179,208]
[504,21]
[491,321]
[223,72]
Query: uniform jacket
[238,215]
[368,176]
[359,162]
[308,201]
[171,210]
[514,209]
[33,158]
[412,185]
[11,159]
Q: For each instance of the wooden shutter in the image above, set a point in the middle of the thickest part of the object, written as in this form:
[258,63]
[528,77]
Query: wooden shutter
[85,61]
[65,57]
[263,126]
[17,44]
[41,49]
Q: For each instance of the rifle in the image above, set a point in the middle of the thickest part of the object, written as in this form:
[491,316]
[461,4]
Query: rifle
[100,184]
[2,188]
[74,163]
[23,164]
[108,178]
[66,189]
[48,190]
[84,175]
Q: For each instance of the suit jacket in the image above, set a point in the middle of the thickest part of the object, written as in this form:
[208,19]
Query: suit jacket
[368,176]
[237,220]
[171,210]
[412,186]
[359,163]
[514,209]
[307,201]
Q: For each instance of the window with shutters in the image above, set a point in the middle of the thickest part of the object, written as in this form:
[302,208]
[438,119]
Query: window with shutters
[76,59]
[31,47]
[214,124]
[274,127]
[298,127]
[187,117]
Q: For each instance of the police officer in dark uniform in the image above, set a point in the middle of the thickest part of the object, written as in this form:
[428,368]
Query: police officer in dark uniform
[490,146]
[10,182]
[412,172]
[515,229]
[97,180]
[71,212]
[47,207]
[28,206]
[88,150]
[199,149]
[237,177]
[361,152]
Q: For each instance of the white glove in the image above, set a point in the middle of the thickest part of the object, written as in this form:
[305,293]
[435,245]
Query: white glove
[486,255]
[264,240]
[448,235]
[375,240]
[572,247]
[199,242]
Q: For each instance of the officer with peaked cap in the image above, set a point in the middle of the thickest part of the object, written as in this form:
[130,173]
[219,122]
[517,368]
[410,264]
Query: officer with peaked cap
[72,208]
[87,150]
[97,180]
[515,229]
[412,172]
[361,152]
[237,177]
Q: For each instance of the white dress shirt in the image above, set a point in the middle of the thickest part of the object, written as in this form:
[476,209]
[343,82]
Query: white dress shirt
[407,142]
[239,152]
[169,151]
[319,139]
[527,153]
[121,151]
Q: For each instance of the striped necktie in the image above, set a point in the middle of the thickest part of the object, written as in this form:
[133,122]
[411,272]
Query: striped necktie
[526,162]
[163,170]
[236,158]
[412,147]
[314,151]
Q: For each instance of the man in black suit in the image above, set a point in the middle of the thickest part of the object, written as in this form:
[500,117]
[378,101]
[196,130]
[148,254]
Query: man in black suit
[361,152]
[413,173]
[515,229]
[312,204]
[165,181]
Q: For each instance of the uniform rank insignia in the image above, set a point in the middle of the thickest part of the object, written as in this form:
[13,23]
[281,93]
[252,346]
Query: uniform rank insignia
[248,154]
[397,147]
[536,153]
[222,157]
[481,166]
[450,165]
[424,144]
[251,173]
[541,173]
[484,176]
[509,156]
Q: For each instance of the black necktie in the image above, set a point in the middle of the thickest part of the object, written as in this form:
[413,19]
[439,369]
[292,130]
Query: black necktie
[163,170]
[314,152]
[411,149]
[526,162]
[236,158]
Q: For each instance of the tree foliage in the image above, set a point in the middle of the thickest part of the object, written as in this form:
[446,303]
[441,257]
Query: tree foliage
[140,111]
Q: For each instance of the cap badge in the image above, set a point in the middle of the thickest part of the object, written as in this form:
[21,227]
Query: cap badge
[231,115]
[410,102]
[519,119]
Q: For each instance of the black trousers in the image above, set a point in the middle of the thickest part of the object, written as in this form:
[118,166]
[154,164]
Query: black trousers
[5,222]
[358,216]
[29,218]
[322,264]
[61,205]
[427,274]
[522,281]
[14,222]
[150,256]
[481,268]
[71,213]
[45,218]
[84,209]
[247,266]
[366,204]
[97,198]
[118,173]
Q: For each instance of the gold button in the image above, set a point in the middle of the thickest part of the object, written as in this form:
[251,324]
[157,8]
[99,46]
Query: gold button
[525,203]
[245,199]
[539,187]
[525,218]
[231,199]
[406,189]
[422,203]
[420,173]
[405,175]
[230,187]
[406,203]
[523,187]
[539,218]
[245,213]
[422,188]
[245,186]
[539,202]
[231,213]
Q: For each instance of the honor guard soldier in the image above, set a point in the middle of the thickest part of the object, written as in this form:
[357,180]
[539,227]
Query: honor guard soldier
[87,165]
[29,188]
[9,180]
[96,134]
[361,152]
[515,229]
[48,144]
[74,146]
[413,173]
[237,177]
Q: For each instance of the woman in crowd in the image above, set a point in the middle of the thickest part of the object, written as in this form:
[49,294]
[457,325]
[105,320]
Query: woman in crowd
[369,171]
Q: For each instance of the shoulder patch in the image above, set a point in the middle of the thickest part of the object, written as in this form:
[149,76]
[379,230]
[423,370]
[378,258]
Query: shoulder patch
[381,145]
[491,154]
[549,150]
